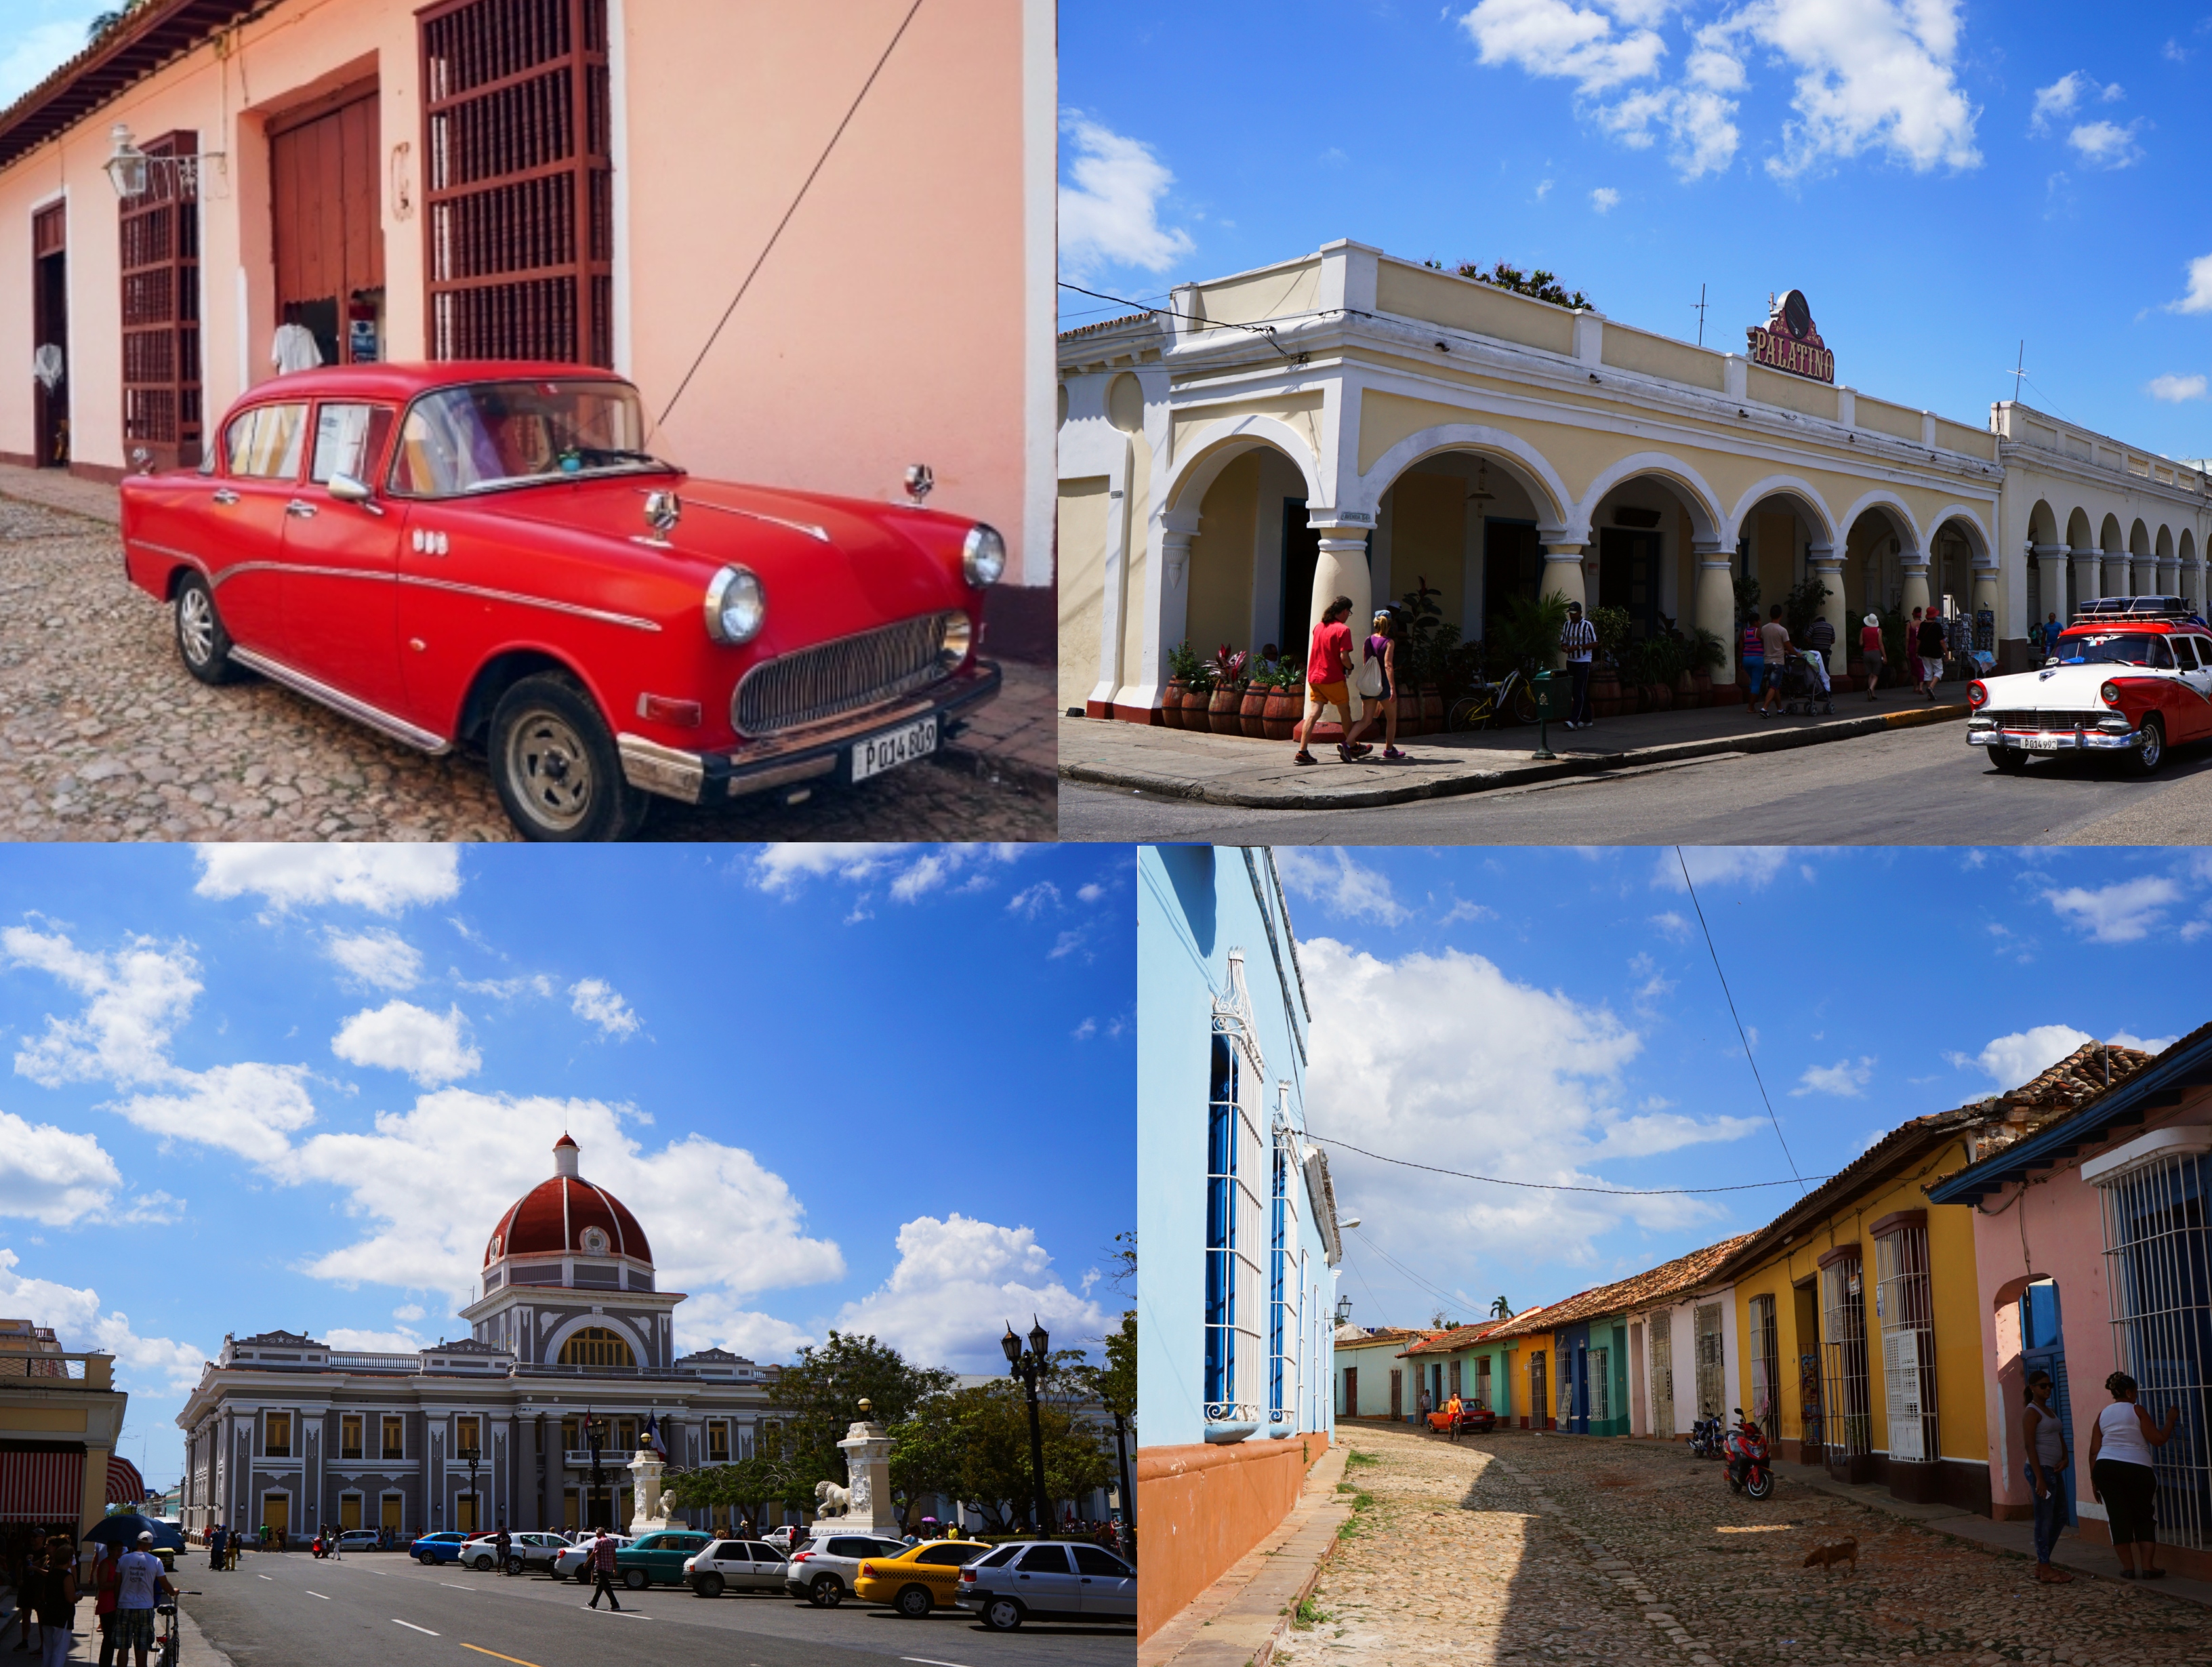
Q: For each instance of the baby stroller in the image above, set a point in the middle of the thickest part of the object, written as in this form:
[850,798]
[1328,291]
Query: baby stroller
[1805,688]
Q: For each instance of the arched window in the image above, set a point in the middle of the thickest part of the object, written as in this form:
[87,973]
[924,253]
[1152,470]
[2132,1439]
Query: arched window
[596,1346]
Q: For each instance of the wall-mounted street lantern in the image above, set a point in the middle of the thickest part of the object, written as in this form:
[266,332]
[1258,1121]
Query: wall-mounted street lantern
[130,170]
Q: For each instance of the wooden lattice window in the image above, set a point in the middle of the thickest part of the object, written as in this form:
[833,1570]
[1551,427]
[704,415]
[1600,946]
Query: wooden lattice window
[596,1346]
[519,182]
[160,256]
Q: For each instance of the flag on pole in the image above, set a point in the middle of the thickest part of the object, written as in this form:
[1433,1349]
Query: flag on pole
[653,1438]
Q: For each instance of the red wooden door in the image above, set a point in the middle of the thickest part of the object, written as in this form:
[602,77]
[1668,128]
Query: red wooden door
[327,211]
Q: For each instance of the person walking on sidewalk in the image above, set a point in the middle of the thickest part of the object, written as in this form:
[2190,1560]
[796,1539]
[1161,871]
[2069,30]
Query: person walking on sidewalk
[1381,651]
[1774,643]
[1870,651]
[1578,639]
[106,1583]
[1931,651]
[1328,662]
[1751,649]
[1912,653]
[56,1601]
[500,1543]
[2121,1478]
[2047,1456]
[1820,637]
[140,1582]
[603,1572]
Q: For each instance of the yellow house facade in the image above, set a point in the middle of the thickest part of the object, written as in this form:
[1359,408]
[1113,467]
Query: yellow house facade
[1351,422]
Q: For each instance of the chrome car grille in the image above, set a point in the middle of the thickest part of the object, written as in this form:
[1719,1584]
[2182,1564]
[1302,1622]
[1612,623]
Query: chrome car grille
[831,679]
[2085,718]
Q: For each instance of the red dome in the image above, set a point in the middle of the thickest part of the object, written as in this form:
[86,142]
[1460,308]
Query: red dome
[552,1217]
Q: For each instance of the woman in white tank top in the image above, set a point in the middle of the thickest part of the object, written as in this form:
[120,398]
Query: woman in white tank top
[2121,1477]
[2045,1440]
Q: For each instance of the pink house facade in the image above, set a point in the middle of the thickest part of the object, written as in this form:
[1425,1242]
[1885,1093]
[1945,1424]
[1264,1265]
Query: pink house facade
[2094,1255]
[585,180]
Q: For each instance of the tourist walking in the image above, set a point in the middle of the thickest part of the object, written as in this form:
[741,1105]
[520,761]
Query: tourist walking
[1380,652]
[2045,1442]
[500,1543]
[1751,649]
[1578,639]
[1328,663]
[1820,637]
[56,1601]
[1912,653]
[30,1582]
[140,1582]
[1870,652]
[1774,643]
[603,1572]
[105,1584]
[1931,651]
[2121,1478]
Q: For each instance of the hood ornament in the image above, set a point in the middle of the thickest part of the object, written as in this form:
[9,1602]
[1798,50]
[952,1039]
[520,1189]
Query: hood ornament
[2046,674]
[919,478]
[663,509]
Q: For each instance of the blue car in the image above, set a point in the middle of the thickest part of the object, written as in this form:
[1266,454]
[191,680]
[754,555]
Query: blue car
[435,1548]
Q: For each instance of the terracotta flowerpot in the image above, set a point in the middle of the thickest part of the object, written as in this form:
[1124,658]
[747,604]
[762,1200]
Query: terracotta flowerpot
[1171,702]
[1252,715]
[1285,707]
[1659,698]
[1221,711]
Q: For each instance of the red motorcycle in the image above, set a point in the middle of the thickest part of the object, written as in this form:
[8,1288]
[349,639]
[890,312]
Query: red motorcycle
[1748,1469]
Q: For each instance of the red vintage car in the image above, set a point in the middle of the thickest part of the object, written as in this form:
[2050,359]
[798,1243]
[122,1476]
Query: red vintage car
[2131,675]
[488,554]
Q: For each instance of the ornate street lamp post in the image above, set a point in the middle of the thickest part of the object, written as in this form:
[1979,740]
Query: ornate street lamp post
[595,1431]
[475,1505]
[1029,1364]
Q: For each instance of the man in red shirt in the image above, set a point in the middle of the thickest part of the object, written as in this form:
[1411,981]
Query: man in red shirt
[1328,663]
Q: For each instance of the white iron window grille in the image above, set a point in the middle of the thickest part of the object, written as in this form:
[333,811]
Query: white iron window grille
[1904,1307]
[1850,1424]
[1283,1279]
[1662,1334]
[2158,1269]
[1713,1374]
[1601,1383]
[1763,1349]
[1234,1159]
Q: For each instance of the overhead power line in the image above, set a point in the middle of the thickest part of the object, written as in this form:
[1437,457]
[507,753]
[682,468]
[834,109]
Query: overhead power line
[1551,1186]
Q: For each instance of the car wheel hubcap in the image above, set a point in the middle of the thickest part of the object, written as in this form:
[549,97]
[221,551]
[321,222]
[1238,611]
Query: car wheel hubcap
[549,770]
[196,625]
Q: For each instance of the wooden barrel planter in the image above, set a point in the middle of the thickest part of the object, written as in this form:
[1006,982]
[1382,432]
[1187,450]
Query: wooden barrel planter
[1221,711]
[1685,691]
[1605,692]
[1658,697]
[1252,715]
[1171,702]
[1285,707]
[1432,711]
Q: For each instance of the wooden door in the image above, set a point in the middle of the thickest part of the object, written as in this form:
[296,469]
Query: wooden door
[327,211]
[1352,1392]
[275,1512]
[1397,1393]
[349,1511]
[391,1512]
[1540,1405]
[50,328]
[1662,1374]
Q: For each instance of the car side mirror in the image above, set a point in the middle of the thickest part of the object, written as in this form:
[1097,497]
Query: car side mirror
[347,490]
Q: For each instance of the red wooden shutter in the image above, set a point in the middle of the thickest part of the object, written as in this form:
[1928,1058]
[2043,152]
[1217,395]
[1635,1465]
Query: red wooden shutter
[518,182]
[160,263]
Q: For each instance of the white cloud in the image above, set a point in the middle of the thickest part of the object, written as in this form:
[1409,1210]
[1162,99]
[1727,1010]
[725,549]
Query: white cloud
[2199,296]
[506,990]
[38,50]
[1091,893]
[1067,944]
[431,1181]
[53,1176]
[2149,1044]
[2174,389]
[408,1311]
[2067,94]
[784,870]
[1085,1031]
[384,879]
[1109,203]
[377,957]
[1604,199]
[73,1312]
[250,1109]
[1673,924]
[596,1000]
[709,1319]
[1711,866]
[2010,1061]
[959,1282]
[1845,1077]
[1554,38]
[2106,144]
[401,1036]
[1650,1133]
[2119,913]
[1338,883]
[1033,900]
[371,1342]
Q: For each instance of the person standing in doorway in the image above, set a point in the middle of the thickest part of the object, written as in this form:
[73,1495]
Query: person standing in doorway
[1578,641]
[2121,1478]
[603,1572]
[1931,651]
[1328,663]
[1870,651]
[1774,643]
[2047,1456]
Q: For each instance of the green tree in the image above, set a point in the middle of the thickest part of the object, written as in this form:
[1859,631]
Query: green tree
[1540,284]
[819,1394]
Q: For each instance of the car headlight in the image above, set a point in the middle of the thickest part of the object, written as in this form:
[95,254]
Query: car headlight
[2109,694]
[983,556]
[736,607]
[955,636]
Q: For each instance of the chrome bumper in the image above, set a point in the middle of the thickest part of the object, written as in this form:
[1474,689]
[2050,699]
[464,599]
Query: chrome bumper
[2084,740]
[802,756]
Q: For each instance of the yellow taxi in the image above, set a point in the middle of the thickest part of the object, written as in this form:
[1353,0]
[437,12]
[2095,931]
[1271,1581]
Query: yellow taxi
[919,1578]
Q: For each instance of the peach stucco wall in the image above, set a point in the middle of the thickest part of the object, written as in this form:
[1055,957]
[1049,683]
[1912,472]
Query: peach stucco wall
[904,316]
[1200,1508]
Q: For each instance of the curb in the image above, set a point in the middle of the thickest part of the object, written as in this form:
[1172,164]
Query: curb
[1482,780]
[1033,777]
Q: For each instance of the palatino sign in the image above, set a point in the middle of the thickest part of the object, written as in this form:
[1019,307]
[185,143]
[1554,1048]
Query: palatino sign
[1788,341]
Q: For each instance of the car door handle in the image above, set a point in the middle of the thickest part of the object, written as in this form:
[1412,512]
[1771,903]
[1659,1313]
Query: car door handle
[300,507]
[223,495]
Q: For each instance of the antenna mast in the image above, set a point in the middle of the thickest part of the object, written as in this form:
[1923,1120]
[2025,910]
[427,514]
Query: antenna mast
[1701,315]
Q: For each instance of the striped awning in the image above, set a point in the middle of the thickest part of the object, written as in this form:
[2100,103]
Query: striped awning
[125,1485]
[41,1487]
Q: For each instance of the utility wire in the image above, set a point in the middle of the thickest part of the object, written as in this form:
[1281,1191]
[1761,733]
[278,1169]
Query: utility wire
[1265,330]
[1545,1186]
[1741,1036]
[1450,1302]
[897,34]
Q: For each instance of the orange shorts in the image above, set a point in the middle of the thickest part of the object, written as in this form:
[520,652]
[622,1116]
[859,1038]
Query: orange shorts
[1331,694]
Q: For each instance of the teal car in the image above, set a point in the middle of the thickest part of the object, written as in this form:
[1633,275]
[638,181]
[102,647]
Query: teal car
[657,1559]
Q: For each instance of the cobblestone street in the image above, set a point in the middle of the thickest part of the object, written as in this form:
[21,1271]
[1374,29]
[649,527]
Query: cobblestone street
[103,735]
[1525,1548]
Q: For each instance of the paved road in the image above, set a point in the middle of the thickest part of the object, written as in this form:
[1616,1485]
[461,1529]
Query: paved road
[280,1610]
[1912,787]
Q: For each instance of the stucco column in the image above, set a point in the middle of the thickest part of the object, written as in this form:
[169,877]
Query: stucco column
[1715,599]
[2115,577]
[2169,578]
[1341,570]
[1914,565]
[2089,576]
[1828,568]
[1562,572]
[2051,582]
[1985,595]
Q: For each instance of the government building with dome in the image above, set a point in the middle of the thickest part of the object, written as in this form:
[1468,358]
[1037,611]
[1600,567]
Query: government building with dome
[569,1321]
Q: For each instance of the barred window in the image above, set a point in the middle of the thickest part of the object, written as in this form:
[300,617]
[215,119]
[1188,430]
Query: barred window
[1663,1373]
[1711,1359]
[1282,1286]
[394,1439]
[1232,1238]
[1850,1424]
[596,1346]
[1763,1351]
[1903,1307]
[158,251]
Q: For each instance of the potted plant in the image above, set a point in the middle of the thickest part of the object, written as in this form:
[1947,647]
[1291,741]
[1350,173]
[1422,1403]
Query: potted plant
[1222,714]
[1184,666]
[1425,655]
[1707,653]
[1252,714]
[1605,671]
[1662,664]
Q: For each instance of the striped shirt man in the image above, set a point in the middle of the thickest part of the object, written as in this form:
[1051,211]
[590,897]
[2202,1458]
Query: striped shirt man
[1578,637]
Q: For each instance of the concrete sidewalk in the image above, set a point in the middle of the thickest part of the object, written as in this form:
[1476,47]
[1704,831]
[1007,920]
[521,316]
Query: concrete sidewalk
[1223,769]
[1236,1620]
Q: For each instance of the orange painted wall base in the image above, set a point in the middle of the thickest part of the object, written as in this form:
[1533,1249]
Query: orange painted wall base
[1200,1508]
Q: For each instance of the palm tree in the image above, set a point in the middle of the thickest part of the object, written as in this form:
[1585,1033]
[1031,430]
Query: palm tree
[1501,1309]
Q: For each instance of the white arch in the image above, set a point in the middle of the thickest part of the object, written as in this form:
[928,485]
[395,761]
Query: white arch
[1528,465]
[1795,487]
[1223,443]
[1704,504]
[1977,535]
[550,1354]
[1879,499]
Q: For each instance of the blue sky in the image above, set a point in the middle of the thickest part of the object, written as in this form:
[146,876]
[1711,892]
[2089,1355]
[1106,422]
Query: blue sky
[882,1088]
[1555,1016]
[1941,179]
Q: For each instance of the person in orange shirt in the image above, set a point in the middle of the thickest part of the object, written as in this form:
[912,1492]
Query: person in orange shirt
[1328,661]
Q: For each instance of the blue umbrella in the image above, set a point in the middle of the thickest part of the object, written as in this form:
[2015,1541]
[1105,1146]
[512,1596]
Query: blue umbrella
[124,1527]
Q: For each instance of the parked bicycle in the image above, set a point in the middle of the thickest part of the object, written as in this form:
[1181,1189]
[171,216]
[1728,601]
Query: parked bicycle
[1488,703]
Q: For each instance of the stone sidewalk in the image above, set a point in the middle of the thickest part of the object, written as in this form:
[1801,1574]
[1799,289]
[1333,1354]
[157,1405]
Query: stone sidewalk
[1223,769]
[1238,1620]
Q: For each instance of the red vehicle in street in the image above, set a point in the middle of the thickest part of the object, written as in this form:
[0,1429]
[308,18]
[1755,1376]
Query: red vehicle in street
[2131,676]
[486,555]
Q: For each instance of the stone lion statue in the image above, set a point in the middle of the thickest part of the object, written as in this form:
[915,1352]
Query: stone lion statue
[831,1500]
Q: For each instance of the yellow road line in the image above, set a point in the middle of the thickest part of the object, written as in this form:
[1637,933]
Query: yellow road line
[480,1649]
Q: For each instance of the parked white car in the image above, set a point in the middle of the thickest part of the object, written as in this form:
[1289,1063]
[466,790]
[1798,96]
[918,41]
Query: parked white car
[822,1570]
[359,1539]
[575,1563]
[736,1565]
[529,1549]
[1048,1580]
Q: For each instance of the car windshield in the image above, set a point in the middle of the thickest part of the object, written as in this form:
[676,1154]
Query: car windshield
[2114,648]
[494,435]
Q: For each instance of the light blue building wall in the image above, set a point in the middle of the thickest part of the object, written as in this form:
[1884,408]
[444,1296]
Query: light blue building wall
[1238,1245]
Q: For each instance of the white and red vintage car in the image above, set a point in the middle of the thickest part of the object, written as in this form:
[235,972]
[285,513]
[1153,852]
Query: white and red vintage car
[2132,675]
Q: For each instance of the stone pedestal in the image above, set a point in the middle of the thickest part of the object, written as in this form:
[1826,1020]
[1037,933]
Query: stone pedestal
[648,1513]
[867,1450]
